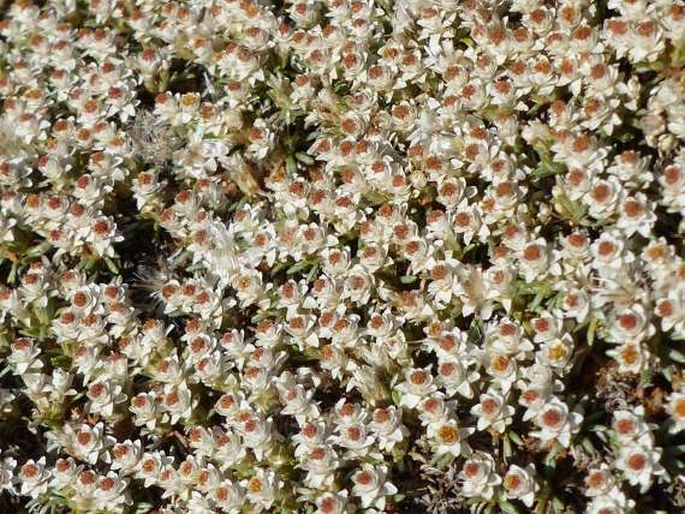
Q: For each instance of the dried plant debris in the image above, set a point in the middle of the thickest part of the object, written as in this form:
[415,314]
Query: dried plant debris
[154,141]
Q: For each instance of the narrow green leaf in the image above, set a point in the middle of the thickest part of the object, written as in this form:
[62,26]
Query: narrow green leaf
[587,445]
[290,165]
[675,450]
[515,438]
[508,507]
[591,331]
[304,158]
[676,356]
[112,266]
[297,267]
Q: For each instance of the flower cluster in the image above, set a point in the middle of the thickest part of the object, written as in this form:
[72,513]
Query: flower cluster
[272,256]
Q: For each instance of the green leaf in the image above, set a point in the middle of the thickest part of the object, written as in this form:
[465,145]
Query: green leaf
[508,507]
[506,443]
[61,361]
[12,277]
[591,331]
[626,137]
[558,505]
[675,450]
[647,376]
[515,438]
[542,506]
[112,266]
[548,170]
[312,272]
[278,266]
[569,209]
[297,267]
[408,279]
[677,356]
[304,158]
[587,445]
[143,507]
[290,165]
[443,461]
[38,249]
[542,293]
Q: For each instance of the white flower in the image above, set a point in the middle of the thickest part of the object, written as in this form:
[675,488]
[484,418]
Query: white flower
[599,481]
[434,409]
[502,368]
[615,502]
[519,483]
[24,356]
[33,477]
[505,336]
[257,434]
[150,467]
[228,496]
[101,234]
[229,449]
[90,443]
[417,385]
[493,412]
[442,286]
[556,353]
[630,427]
[371,486]
[455,378]
[386,423]
[534,261]
[479,478]
[556,422]
[449,438]
[7,467]
[111,492]
[178,402]
[640,463]
[676,409]
[357,286]
[103,397]
[320,463]
[332,503]
[65,473]
[297,401]
[637,215]
[126,456]
[263,488]
[631,357]
[144,406]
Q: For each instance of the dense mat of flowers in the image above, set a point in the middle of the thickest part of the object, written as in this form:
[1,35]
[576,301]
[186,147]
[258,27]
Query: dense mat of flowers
[339,256]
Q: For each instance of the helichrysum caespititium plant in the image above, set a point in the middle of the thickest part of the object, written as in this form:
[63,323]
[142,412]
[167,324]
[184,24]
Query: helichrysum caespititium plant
[342,256]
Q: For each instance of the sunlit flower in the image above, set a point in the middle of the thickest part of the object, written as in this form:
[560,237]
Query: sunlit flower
[639,464]
[372,487]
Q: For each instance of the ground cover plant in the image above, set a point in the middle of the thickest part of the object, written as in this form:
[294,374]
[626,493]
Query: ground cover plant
[342,256]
